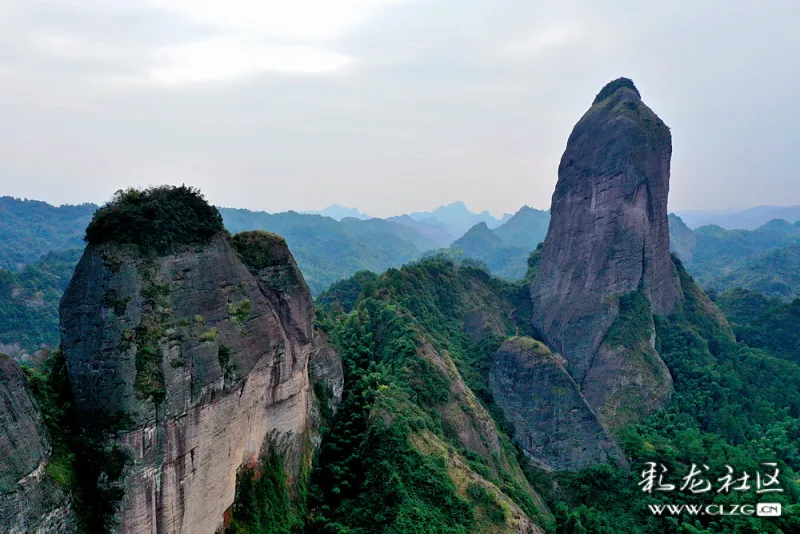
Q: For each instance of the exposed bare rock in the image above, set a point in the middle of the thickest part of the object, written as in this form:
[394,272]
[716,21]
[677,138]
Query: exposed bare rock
[194,363]
[30,500]
[608,237]
[325,369]
[478,324]
[552,421]
[683,241]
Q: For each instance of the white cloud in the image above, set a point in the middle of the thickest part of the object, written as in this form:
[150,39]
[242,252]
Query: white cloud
[301,20]
[255,36]
[544,39]
[231,39]
[226,59]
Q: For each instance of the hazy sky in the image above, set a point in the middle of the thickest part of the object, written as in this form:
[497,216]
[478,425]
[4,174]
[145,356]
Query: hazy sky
[388,105]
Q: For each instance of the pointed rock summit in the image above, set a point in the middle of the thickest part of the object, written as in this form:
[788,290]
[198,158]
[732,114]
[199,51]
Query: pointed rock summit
[605,265]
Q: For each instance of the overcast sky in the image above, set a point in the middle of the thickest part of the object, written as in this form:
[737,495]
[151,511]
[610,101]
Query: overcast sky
[391,106]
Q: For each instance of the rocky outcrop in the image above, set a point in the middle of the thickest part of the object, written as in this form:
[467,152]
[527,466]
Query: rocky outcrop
[683,242]
[193,364]
[30,500]
[325,371]
[552,421]
[608,237]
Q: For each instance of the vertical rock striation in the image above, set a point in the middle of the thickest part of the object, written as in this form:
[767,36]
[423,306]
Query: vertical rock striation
[30,500]
[193,364]
[608,239]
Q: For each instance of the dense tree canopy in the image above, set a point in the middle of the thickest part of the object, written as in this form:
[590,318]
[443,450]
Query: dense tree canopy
[157,219]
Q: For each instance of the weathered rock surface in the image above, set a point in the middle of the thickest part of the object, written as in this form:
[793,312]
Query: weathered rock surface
[30,500]
[195,363]
[325,368]
[683,242]
[608,237]
[552,421]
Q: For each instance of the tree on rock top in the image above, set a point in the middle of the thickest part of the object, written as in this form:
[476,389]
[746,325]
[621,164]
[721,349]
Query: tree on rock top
[613,86]
[260,249]
[157,219]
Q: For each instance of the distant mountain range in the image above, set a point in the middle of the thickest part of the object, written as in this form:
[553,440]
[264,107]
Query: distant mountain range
[504,249]
[766,259]
[458,219]
[748,219]
[337,212]
[340,241]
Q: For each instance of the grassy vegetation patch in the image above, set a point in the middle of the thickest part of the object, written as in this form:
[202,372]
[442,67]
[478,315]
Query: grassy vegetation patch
[632,327]
[114,302]
[240,311]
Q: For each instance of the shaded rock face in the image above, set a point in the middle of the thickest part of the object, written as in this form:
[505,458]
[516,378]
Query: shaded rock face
[608,236]
[325,368]
[195,364]
[552,421]
[30,500]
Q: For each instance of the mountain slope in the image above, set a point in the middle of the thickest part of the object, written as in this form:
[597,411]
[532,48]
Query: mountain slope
[327,250]
[415,442]
[29,302]
[505,249]
[30,228]
[764,259]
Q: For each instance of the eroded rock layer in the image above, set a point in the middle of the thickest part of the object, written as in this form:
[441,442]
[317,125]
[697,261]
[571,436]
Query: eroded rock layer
[193,364]
[30,500]
[552,421]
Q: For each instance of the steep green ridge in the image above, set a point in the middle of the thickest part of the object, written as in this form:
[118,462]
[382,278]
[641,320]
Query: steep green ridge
[764,323]
[31,228]
[412,449]
[733,405]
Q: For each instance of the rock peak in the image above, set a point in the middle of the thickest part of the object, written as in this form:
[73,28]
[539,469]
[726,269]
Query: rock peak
[607,251]
[613,86]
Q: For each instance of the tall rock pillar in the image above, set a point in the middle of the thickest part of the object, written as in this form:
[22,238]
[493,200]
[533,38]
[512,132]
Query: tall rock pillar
[606,265]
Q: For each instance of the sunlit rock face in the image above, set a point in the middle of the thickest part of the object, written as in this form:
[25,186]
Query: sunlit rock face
[193,364]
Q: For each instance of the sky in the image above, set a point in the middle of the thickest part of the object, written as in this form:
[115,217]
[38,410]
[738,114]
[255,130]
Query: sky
[391,106]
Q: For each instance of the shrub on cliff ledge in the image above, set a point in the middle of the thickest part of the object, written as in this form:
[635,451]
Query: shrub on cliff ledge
[156,219]
[260,249]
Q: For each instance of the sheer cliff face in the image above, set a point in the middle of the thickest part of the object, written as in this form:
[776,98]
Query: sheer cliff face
[553,422]
[608,237]
[194,363]
[30,500]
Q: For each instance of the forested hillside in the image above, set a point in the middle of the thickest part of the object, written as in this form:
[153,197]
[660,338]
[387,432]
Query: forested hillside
[29,302]
[504,249]
[765,259]
[30,228]
[734,404]
[327,250]
[417,440]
